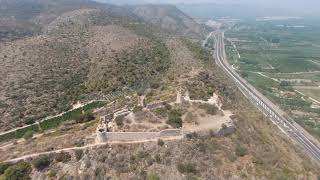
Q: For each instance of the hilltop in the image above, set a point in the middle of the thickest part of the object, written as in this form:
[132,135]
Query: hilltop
[44,72]
[170,18]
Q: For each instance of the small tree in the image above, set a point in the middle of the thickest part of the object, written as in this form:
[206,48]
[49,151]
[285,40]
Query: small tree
[209,108]
[153,176]
[241,151]
[157,158]
[174,118]
[19,171]
[187,168]
[28,135]
[4,167]
[285,83]
[63,157]
[52,173]
[244,74]
[160,142]
[41,162]
[29,121]
[79,154]
[85,117]
[155,85]
[119,121]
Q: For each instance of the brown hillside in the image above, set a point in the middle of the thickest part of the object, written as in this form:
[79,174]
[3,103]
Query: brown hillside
[81,52]
[170,18]
[56,53]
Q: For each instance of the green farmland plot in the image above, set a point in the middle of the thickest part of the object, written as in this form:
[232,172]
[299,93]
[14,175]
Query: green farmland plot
[52,122]
[18,133]
[308,76]
[313,93]
[262,82]
[293,51]
[56,121]
[279,57]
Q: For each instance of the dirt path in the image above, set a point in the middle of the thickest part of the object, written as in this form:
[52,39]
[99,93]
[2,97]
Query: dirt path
[312,99]
[107,98]
[91,146]
[50,117]
[261,74]
[307,87]
[293,73]
[314,62]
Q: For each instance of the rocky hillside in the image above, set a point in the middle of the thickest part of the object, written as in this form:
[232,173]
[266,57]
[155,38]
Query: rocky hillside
[71,51]
[84,51]
[21,18]
[257,150]
[170,18]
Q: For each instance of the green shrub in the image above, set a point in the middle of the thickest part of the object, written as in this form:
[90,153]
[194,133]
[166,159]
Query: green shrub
[41,162]
[7,136]
[137,109]
[154,85]
[29,121]
[241,151]
[192,135]
[63,157]
[72,115]
[198,51]
[21,132]
[19,171]
[244,74]
[4,167]
[52,173]
[142,154]
[160,142]
[119,121]
[149,160]
[192,177]
[153,176]
[168,107]
[140,92]
[131,67]
[157,158]
[174,118]
[85,117]
[79,143]
[79,154]
[210,109]
[162,112]
[28,135]
[187,168]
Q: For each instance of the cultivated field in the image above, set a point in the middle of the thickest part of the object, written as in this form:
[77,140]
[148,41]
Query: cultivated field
[282,59]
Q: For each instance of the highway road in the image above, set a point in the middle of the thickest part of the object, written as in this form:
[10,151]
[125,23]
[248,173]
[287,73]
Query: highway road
[294,131]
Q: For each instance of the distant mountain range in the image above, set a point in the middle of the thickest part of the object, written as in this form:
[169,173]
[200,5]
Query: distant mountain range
[240,8]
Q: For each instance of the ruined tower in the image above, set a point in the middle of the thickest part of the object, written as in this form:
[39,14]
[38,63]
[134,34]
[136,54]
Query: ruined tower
[103,128]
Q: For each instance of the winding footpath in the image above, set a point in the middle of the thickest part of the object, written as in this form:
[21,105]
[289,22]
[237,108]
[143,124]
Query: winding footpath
[96,145]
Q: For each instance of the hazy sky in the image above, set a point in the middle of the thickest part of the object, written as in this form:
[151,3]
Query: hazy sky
[275,2]
[239,7]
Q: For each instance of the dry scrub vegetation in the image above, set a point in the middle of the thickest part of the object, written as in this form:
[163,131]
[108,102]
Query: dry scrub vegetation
[82,52]
[256,150]
[91,51]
